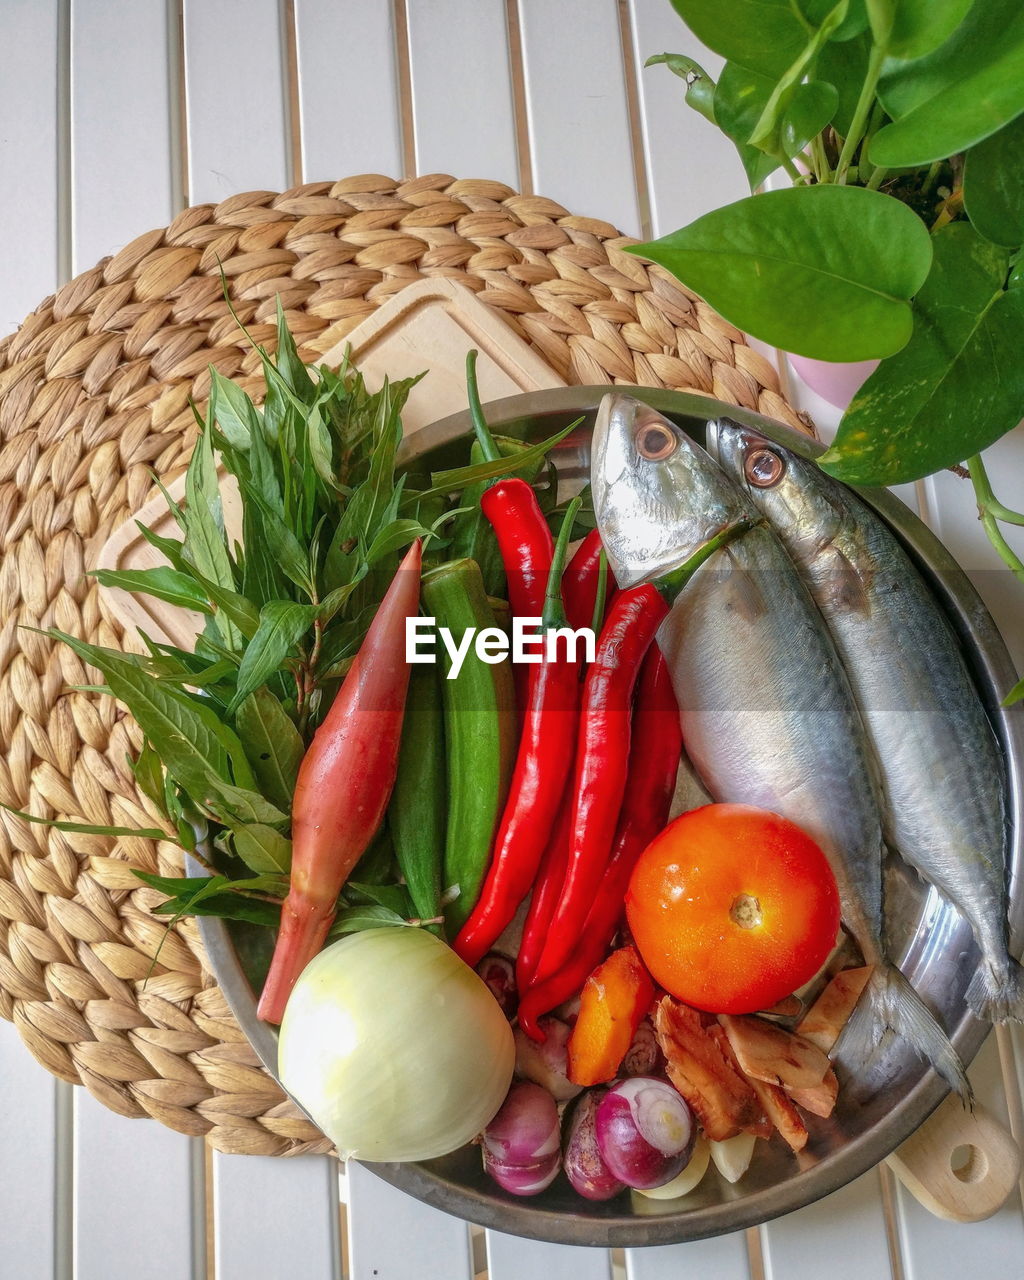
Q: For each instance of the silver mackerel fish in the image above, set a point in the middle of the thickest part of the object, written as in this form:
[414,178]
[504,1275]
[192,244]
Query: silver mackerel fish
[942,773]
[767,713]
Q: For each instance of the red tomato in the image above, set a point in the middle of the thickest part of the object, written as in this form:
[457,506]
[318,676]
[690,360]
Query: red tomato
[732,908]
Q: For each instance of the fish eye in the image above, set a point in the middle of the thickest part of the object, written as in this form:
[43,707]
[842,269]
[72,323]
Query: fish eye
[763,468]
[655,441]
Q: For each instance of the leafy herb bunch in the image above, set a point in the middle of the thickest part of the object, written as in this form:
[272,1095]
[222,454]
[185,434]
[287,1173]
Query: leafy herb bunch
[326,512]
[901,126]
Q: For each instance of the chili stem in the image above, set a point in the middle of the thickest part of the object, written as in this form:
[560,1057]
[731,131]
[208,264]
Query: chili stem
[602,592]
[673,582]
[554,609]
[486,441]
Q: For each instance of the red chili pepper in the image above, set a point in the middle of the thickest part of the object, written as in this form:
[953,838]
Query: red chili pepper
[524,541]
[542,767]
[602,750]
[653,763]
[547,890]
[602,758]
[344,784]
[511,506]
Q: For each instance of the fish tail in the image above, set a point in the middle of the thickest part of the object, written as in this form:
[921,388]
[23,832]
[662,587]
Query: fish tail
[891,1006]
[996,993]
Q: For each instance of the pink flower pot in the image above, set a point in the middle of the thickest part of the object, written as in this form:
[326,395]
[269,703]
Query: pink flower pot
[836,383]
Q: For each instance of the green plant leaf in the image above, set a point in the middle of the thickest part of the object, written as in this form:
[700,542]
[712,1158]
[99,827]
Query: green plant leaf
[741,96]
[822,271]
[459,477]
[994,186]
[165,584]
[961,93]
[393,537]
[700,88]
[845,67]
[920,26]
[204,545]
[232,410]
[191,746]
[149,775]
[393,896]
[263,849]
[283,623]
[810,111]
[956,387]
[1015,695]
[232,806]
[354,919]
[223,906]
[86,828]
[761,35]
[273,745]
[767,131]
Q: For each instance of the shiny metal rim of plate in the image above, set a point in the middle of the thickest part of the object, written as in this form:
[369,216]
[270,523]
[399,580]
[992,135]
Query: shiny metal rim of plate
[938,949]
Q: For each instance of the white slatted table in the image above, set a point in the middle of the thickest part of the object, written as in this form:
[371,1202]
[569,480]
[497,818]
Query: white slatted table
[115,113]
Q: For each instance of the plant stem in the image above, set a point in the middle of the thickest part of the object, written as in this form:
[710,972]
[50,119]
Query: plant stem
[989,513]
[821,166]
[861,113]
[876,179]
[791,169]
[930,176]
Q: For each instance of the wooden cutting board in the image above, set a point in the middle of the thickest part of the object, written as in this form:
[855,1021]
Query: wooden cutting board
[429,325]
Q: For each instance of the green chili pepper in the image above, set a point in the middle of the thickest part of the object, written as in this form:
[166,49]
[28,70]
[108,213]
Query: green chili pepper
[416,815]
[479,726]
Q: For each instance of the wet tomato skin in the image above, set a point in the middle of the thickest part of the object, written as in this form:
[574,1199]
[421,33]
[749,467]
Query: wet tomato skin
[732,908]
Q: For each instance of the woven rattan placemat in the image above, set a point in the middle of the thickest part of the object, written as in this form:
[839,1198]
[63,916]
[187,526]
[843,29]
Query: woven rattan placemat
[94,392]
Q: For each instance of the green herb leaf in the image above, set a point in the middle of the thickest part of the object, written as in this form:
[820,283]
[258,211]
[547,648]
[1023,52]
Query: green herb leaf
[273,745]
[224,906]
[395,897]
[191,745]
[393,537]
[955,388]
[354,919]
[164,584]
[149,775]
[459,477]
[232,410]
[1015,695]
[283,623]
[994,186]
[232,805]
[845,260]
[262,848]
[963,92]
[87,828]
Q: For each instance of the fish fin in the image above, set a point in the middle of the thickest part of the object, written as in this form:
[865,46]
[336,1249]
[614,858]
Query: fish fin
[891,1006]
[997,995]
[848,585]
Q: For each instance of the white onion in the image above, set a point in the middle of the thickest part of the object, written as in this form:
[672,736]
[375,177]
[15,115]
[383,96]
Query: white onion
[394,1046]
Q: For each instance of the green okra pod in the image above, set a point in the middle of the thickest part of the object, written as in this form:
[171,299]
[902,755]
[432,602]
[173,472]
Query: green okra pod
[479,726]
[416,815]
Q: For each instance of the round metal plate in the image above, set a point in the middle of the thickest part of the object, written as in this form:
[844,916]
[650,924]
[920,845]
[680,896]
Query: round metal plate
[881,1102]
